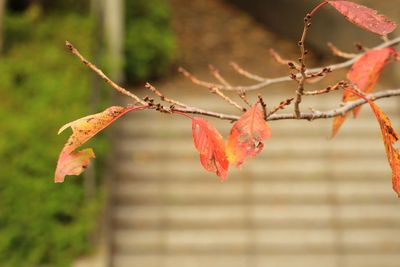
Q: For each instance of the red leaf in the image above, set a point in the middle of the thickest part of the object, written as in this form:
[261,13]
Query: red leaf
[364,17]
[83,129]
[211,147]
[389,137]
[364,73]
[246,136]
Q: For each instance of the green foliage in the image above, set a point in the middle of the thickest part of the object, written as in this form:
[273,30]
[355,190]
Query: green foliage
[42,87]
[149,43]
[50,6]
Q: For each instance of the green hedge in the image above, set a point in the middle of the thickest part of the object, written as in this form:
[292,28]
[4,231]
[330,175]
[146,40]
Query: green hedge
[149,43]
[42,87]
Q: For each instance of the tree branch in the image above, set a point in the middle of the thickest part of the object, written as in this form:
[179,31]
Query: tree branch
[303,116]
[99,72]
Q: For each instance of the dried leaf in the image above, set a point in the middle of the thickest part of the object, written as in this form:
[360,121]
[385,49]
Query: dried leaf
[365,74]
[364,17]
[83,129]
[211,147]
[389,137]
[246,136]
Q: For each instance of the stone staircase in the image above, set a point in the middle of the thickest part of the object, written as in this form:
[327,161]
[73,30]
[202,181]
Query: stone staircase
[306,201]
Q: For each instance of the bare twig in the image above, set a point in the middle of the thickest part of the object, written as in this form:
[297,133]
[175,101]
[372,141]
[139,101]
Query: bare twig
[164,98]
[337,52]
[215,72]
[99,72]
[337,86]
[195,80]
[242,95]
[216,91]
[264,106]
[281,105]
[245,73]
[280,60]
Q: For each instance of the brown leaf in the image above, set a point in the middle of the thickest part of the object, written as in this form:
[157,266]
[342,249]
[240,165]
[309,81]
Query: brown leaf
[389,137]
[83,129]
[246,136]
[364,17]
[211,147]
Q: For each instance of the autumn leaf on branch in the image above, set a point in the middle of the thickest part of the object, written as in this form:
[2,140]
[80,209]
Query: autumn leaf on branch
[389,137]
[364,17]
[211,147]
[70,163]
[364,74]
[246,136]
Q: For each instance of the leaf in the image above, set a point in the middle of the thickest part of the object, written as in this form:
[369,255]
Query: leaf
[211,147]
[365,74]
[246,136]
[337,123]
[364,17]
[389,137]
[366,71]
[83,129]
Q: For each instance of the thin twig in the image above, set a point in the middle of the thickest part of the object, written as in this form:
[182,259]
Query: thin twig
[264,106]
[164,98]
[281,105]
[195,80]
[215,72]
[245,73]
[282,61]
[337,86]
[337,52]
[218,92]
[243,96]
[99,72]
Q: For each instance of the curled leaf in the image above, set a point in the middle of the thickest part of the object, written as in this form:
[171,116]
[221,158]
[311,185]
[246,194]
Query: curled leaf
[246,136]
[389,137]
[364,17]
[74,163]
[364,74]
[211,147]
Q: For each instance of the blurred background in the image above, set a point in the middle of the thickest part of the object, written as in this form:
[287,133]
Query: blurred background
[146,201]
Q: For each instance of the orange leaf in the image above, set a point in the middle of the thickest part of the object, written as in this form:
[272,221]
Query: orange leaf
[246,136]
[364,17]
[364,73]
[83,129]
[337,122]
[389,137]
[211,147]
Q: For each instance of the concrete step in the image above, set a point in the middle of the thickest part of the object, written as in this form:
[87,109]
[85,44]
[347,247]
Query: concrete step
[260,240]
[259,260]
[242,216]
[268,169]
[235,192]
